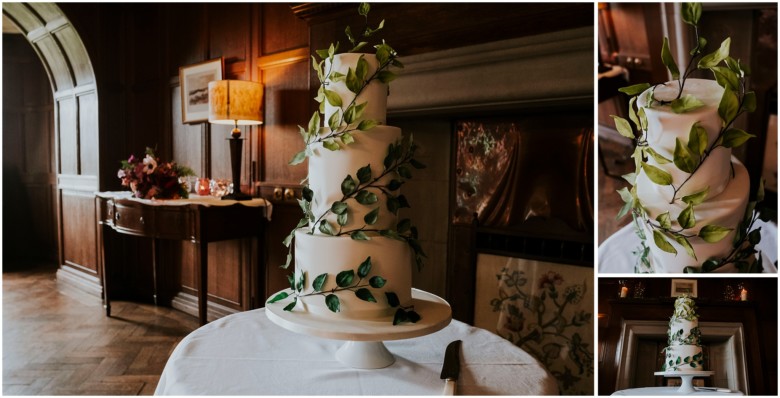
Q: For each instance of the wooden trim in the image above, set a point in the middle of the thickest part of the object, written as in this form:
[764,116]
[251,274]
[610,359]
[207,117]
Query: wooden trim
[283,58]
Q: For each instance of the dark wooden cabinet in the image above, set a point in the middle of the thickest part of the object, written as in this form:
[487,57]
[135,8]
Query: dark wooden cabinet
[198,222]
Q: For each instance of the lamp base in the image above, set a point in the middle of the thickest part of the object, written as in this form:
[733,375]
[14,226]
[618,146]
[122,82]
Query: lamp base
[237,196]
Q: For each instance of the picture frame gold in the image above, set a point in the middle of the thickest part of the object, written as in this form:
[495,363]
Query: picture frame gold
[193,82]
[684,286]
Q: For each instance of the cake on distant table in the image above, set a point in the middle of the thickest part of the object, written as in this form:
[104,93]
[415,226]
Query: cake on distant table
[684,352]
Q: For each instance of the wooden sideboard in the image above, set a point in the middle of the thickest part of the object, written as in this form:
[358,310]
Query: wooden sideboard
[198,221]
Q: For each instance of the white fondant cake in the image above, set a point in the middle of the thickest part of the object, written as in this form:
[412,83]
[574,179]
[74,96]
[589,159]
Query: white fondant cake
[318,253]
[684,351]
[723,177]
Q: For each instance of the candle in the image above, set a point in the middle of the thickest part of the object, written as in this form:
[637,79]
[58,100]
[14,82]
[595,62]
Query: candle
[204,187]
[623,292]
[743,295]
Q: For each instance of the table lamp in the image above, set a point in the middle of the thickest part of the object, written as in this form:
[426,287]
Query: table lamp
[237,103]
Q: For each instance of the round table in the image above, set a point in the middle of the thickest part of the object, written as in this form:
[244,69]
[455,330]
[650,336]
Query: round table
[657,391]
[247,354]
[615,253]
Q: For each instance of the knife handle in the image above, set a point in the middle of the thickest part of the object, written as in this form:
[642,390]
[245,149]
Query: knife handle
[449,387]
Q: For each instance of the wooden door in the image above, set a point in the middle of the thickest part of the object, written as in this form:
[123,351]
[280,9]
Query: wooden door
[29,181]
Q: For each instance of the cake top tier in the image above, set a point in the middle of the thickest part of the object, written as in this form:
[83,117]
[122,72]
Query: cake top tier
[685,308]
[706,91]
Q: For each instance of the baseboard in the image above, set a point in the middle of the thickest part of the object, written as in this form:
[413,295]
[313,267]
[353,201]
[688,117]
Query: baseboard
[188,304]
[79,280]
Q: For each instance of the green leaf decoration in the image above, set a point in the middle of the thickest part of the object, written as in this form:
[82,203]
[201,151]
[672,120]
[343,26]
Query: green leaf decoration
[400,316]
[366,197]
[386,76]
[314,123]
[308,194]
[333,303]
[335,121]
[301,282]
[404,172]
[402,202]
[365,295]
[634,89]
[693,365]
[668,60]
[331,144]
[319,282]
[416,164]
[664,220]
[358,110]
[367,124]
[660,159]
[289,307]
[657,175]
[413,316]
[358,46]
[345,278]
[354,84]
[760,191]
[333,98]
[377,281]
[700,47]
[725,77]
[382,54]
[686,104]
[287,240]
[678,360]
[322,53]
[361,69]
[298,158]
[754,237]
[713,233]
[623,127]
[364,8]
[632,113]
[735,137]
[393,204]
[348,186]
[696,198]
[748,102]
[347,138]
[342,219]
[372,217]
[394,185]
[691,12]
[326,229]
[291,281]
[389,233]
[683,241]
[624,210]
[403,225]
[392,299]
[278,297]
[729,106]
[339,207]
[364,268]
[662,243]
[349,114]
[714,58]
[686,219]
[348,32]
[364,174]
[697,139]
[358,235]
[683,158]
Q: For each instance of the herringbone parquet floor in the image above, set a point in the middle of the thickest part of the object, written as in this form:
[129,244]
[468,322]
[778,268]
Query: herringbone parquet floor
[58,341]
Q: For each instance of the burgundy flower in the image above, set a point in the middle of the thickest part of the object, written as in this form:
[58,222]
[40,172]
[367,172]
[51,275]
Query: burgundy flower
[550,279]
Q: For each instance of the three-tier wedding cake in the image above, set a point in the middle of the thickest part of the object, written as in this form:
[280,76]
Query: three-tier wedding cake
[684,352]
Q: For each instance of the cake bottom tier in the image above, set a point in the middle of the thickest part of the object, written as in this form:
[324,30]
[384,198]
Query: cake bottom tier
[391,260]
[725,210]
[683,357]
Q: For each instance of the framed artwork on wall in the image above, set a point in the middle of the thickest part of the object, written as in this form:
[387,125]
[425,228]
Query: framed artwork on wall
[684,286]
[194,81]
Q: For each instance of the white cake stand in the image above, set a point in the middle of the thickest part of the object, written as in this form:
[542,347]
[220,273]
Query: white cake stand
[687,378]
[364,348]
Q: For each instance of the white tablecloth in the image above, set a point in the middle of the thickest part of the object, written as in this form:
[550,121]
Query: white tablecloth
[247,354]
[193,199]
[656,391]
[615,253]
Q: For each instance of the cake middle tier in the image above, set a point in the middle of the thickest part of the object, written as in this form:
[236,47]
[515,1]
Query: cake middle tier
[684,332]
[328,169]
[390,259]
[665,128]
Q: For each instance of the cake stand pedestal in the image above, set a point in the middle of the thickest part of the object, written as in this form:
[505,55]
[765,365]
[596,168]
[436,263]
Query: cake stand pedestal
[364,347]
[687,378]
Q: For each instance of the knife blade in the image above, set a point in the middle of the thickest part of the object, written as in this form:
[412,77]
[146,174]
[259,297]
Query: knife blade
[450,369]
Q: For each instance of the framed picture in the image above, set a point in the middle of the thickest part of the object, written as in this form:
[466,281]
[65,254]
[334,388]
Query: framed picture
[684,286]
[194,82]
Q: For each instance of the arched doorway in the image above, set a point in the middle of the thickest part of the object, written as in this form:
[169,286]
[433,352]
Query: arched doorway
[75,131]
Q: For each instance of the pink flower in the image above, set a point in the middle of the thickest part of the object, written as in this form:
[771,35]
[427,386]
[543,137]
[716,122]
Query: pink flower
[149,164]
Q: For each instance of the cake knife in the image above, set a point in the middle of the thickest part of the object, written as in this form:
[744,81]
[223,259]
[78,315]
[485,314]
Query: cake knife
[451,367]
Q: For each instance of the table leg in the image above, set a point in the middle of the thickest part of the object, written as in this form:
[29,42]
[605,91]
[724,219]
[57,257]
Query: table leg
[203,268]
[103,229]
[154,270]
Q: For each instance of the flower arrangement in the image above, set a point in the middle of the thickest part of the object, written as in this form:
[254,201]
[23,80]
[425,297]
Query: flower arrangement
[150,178]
